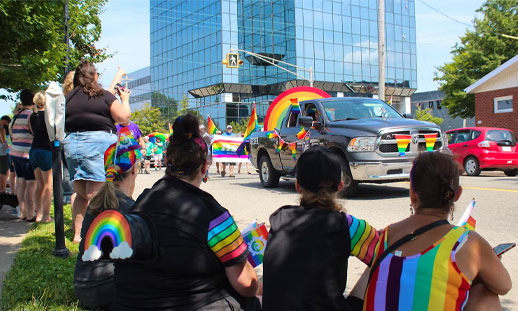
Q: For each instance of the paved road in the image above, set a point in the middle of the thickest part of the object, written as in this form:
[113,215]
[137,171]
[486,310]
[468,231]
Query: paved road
[496,209]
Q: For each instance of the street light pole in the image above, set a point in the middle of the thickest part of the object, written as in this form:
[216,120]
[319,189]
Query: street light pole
[273,62]
[381,49]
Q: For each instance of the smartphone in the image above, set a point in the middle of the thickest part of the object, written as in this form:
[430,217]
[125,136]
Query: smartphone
[502,248]
[119,87]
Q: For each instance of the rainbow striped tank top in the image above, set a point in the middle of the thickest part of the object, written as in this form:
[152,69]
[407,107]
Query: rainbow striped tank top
[430,280]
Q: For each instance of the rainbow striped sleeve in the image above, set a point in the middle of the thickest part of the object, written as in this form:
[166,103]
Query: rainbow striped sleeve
[225,240]
[364,239]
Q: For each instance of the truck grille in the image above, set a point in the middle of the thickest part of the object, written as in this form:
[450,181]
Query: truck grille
[388,143]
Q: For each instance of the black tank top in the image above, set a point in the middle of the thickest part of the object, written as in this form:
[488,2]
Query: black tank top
[39,128]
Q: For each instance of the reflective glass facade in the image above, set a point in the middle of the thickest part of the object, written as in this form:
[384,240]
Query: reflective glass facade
[337,38]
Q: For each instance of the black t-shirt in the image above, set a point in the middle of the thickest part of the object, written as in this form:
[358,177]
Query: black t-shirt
[39,129]
[84,113]
[305,261]
[88,274]
[196,239]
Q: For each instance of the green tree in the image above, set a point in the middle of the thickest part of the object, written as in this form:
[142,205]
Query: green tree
[480,51]
[240,126]
[426,115]
[33,49]
[149,119]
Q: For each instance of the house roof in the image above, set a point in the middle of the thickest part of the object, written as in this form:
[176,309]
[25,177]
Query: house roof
[511,64]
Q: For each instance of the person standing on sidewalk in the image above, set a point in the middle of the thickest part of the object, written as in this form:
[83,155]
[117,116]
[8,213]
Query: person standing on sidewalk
[91,114]
[40,157]
[4,162]
[149,154]
[22,137]
[158,153]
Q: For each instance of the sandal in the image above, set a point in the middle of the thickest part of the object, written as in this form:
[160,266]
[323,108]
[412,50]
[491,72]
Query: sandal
[231,175]
[33,219]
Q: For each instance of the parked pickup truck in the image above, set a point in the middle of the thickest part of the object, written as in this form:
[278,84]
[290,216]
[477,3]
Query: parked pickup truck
[360,130]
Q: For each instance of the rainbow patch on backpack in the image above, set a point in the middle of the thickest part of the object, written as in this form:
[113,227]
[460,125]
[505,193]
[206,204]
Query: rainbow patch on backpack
[109,225]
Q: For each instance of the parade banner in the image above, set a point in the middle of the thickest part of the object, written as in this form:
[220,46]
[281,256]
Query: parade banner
[224,149]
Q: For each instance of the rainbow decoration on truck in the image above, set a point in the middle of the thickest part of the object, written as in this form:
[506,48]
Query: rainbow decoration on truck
[109,224]
[282,103]
[430,141]
[402,143]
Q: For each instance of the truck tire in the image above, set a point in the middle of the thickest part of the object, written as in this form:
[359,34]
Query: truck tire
[511,172]
[350,185]
[268,175]
[471,166]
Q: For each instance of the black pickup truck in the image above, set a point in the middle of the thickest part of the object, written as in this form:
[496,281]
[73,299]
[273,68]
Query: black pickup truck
[360,130]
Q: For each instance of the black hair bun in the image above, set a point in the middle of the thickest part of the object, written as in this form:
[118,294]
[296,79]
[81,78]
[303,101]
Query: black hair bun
[185,128]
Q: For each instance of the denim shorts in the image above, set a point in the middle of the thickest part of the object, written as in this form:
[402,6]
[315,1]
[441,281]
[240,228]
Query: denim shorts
[84,153]
[23,168]
[41,158]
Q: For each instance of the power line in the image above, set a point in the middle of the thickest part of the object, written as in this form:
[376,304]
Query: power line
[445,15]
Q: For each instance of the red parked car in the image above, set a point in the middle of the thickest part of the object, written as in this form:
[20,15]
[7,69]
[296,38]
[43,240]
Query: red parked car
[484,148]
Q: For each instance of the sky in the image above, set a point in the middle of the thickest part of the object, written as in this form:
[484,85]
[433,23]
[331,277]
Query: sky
[125,33]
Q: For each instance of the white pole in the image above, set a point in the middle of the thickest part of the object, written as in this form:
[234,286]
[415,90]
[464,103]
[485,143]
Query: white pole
[311,76]
[381,49]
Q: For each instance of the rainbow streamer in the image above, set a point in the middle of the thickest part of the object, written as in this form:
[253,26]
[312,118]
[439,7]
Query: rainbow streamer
[293,147]
[390,101]
[255,240]
[211,127]
[402,143]
[430,141]
[466,219]
[110,224]
[302,133]
[170,129]
[279,147]
[295,105]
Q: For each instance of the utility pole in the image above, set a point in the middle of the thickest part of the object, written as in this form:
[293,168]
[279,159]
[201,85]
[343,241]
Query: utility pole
[381,49]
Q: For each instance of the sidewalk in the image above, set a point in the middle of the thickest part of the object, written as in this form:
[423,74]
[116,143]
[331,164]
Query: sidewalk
[12,232]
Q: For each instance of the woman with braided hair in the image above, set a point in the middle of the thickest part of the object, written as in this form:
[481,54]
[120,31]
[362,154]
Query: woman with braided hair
[425,263]
[93,281]
[201,259]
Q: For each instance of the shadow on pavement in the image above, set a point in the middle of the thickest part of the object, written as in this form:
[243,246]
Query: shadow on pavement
[380,192]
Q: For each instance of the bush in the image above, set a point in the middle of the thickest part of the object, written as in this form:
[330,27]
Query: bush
[38,280]
[426,115]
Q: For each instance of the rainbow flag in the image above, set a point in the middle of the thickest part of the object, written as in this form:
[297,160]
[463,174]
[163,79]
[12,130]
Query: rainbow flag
[295,105]
[170,129]
[279,147]
[253,125]
[293,148]
[271,134]
[302,133]
[466,219]
[224,149]
[211,127]
[430,141]
[255,239]
[402,143]
[390,100]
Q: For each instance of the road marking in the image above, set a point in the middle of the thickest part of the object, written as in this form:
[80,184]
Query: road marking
[477,188]
[489,189]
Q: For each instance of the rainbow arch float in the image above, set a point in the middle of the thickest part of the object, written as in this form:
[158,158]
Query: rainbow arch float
[280,106]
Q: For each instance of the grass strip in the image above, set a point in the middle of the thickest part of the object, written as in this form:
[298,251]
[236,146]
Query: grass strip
[37,279]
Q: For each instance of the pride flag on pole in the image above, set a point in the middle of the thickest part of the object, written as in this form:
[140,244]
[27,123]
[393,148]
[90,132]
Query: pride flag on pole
[466,219]
[253,126]
[211,127]
[255,236]
[295,105]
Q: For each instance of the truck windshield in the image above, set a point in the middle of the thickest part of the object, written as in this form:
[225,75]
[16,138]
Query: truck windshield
[353,109]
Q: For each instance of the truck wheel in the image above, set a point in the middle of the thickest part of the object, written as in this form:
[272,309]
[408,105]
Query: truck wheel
[350,185]
[471,166]
[268,175]
[511,172]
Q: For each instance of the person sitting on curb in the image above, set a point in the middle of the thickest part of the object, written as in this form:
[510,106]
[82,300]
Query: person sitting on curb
[308,247]
[93,281]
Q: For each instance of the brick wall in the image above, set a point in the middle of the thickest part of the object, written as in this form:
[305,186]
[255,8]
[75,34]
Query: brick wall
[484,110]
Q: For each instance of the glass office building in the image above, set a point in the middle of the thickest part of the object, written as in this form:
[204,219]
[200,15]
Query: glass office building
[337,39]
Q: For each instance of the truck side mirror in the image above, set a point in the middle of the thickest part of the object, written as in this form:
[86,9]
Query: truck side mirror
[408,116]
[306,121]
